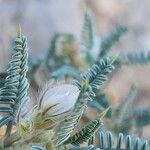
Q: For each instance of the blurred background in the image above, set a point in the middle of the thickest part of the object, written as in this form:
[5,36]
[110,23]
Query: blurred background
[40,19]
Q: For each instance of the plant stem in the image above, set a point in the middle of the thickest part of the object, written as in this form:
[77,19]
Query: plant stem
[8,141]
[8,129]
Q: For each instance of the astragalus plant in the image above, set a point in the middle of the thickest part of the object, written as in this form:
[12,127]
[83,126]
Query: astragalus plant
[52,120]
[50,124]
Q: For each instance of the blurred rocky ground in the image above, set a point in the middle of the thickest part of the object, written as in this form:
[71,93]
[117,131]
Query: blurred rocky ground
[41,18]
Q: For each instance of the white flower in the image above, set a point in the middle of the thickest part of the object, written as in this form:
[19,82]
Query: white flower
[58,100]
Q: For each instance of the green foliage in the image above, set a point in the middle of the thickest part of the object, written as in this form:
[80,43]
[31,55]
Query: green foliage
[91,80]
[96,75]
[142,116]
[87,32]
[112,38]
[85,133]
[101,102]
[140,57]
[108,142]
[57,51]
[59,134]
[88,36]
[14,92]
[124,112]
[127,142]
[2,79]
[67,126]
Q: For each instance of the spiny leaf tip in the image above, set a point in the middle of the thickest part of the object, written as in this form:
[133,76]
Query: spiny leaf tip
[19,34]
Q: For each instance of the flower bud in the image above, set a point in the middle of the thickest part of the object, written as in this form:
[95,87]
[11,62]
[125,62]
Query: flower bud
[25,126]
[58,100]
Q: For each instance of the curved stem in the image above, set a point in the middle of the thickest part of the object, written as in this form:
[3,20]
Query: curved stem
[8,130]
[8,141]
